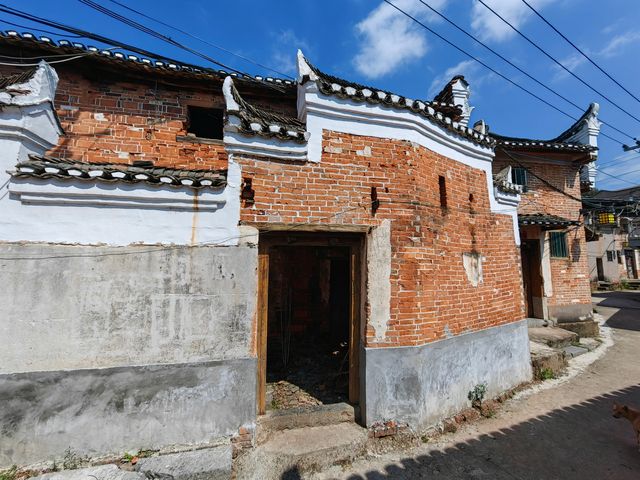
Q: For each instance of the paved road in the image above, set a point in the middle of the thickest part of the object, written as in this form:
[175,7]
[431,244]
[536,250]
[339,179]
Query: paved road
[566,432]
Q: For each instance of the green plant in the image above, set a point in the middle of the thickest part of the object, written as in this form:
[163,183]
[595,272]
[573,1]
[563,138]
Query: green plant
[476,395]
[9,474]
[547,374]
[72,460]
[127,457]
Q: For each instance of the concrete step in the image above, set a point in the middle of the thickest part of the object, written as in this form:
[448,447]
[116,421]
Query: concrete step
[294,453]
[311,416]
[207,463]
[572,351]
[102,472]
[552,336]
[546,361]
[585,328]
[538,322]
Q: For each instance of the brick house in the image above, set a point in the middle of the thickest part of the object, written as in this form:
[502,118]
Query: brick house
[552,174]
[613,234]
[178,241]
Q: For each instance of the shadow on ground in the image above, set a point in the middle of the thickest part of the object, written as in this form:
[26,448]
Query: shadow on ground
[627,319]
[582,441]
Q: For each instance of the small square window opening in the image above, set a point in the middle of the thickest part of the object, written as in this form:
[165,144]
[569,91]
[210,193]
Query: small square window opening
[205,122]
[519,177]
[558,244]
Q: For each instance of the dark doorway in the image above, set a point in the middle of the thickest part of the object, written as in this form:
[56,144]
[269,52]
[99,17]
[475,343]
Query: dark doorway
[600,269]
[531,275]
[629,256]
[311,337]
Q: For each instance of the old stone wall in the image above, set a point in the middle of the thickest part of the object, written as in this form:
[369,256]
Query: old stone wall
[433,295]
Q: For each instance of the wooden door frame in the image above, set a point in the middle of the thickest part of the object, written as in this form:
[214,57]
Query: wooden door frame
[355,241]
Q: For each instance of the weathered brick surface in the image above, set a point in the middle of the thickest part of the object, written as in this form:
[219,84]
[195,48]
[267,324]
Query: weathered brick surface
[570,276]
[124,122]
[110,119]
[431,296]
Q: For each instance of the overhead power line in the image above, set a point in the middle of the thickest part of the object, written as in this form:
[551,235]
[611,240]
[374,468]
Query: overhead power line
[491,69]
[557,62]
[195,37]
[579,50]
[38,29]
[142,28]
[503,58]
[100,38]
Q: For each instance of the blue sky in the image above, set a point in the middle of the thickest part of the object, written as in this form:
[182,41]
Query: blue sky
[368,42]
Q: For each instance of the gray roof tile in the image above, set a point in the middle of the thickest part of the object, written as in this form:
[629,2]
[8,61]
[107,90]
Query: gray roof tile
[141,172]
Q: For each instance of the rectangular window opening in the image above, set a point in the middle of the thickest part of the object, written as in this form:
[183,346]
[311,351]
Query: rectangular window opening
[442,182]
[519,177]
[611,255]
[205,122]
[558,244]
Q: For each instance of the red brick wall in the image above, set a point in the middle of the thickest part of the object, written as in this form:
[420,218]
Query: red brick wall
[570,277]
[110,119]
[124,122]
[431,296]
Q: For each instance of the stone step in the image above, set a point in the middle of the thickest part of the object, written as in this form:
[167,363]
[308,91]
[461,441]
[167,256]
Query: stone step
[310,416]
[585,328]
[572,351]
[538,322]
[206,463]
[102,472]
[552,336]
[546,361]
[293,453]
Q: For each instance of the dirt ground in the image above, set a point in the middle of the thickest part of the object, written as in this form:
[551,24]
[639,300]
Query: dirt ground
[563,432]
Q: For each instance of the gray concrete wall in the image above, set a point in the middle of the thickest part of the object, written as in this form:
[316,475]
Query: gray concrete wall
[104,349]
[422,385]
[113,410]
[67,307]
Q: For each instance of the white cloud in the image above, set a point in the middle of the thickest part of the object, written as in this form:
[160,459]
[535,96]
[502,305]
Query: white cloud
[614,47]
[471,71]
[489,27]
[389,39]
[617,43]
[572,62]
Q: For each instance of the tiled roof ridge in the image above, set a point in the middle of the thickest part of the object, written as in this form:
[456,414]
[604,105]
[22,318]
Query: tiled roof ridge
[157,61]
[44,166]
[335,86]
[592,110]
[258,121]
[446,90]
[556,142]
[330,79]
[529,142]
[545,219]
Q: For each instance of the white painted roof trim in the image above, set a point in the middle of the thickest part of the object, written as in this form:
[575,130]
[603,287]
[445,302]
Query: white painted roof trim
[238,143]
[74,211]
[40,88]
[243,145]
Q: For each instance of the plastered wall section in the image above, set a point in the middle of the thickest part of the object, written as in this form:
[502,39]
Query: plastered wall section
[432,295]
[75,307]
